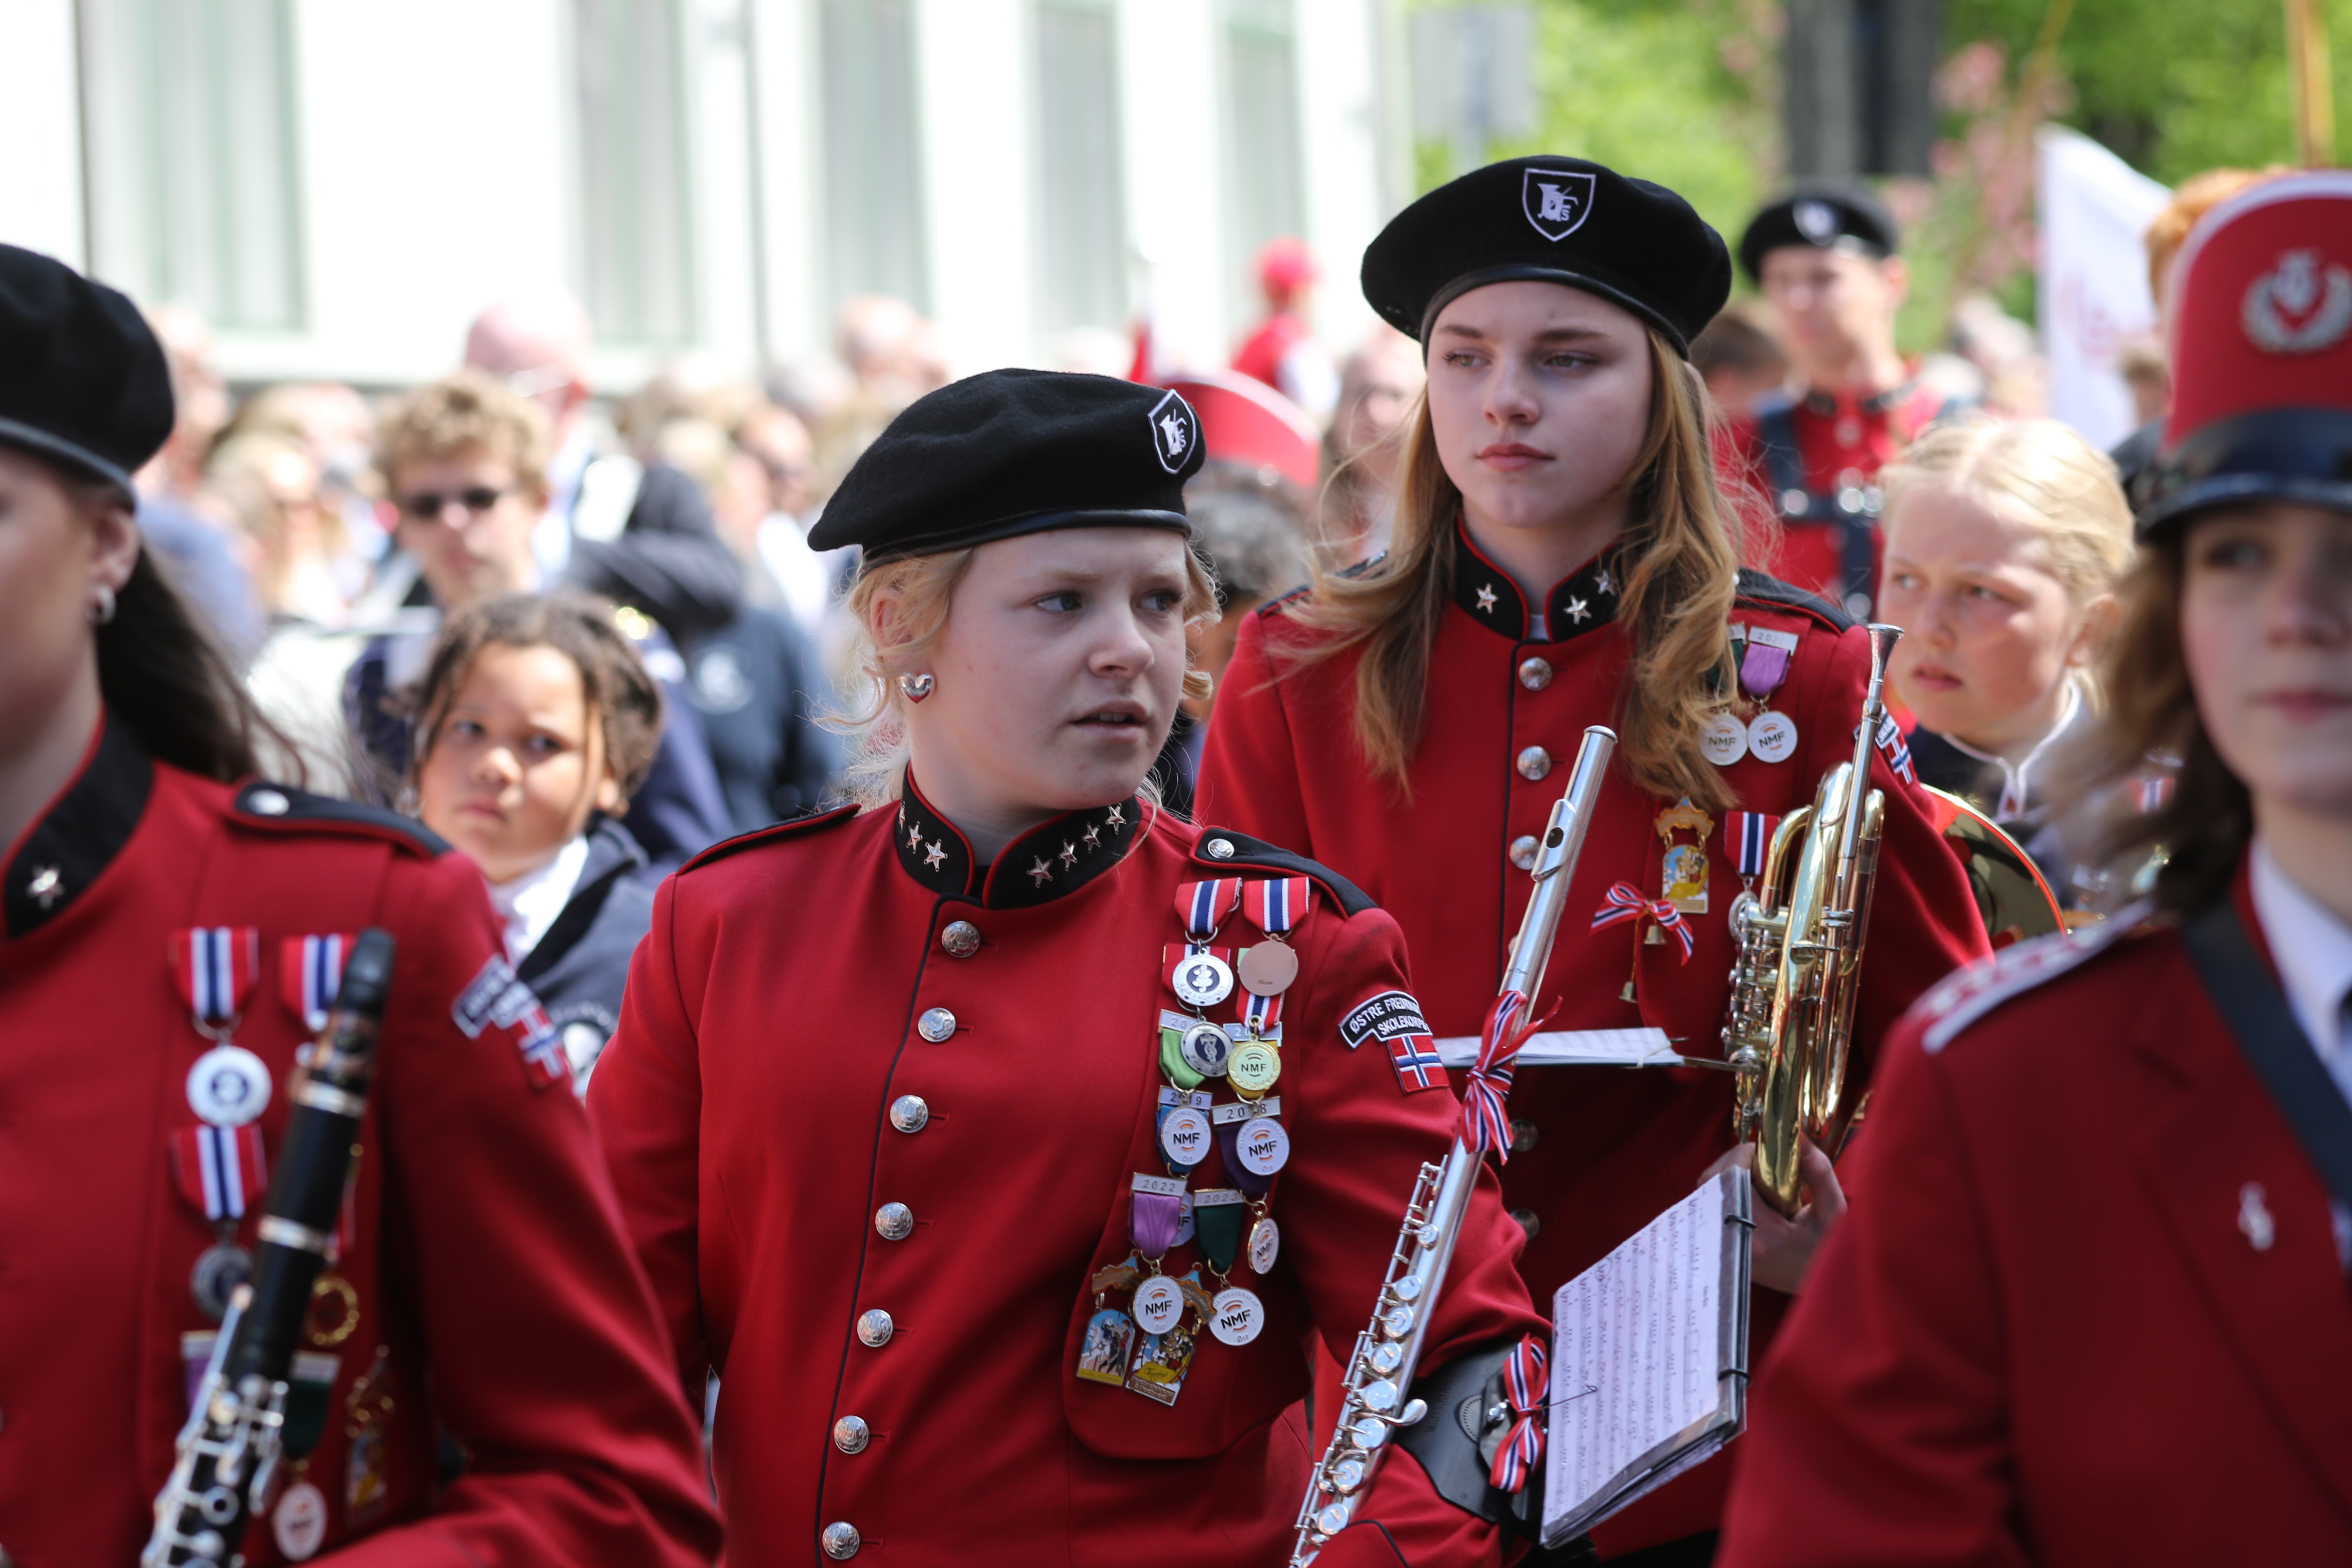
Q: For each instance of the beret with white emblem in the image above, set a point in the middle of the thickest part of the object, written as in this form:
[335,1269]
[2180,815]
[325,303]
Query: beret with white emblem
[1012,452]
[1819,216]
[1553,220]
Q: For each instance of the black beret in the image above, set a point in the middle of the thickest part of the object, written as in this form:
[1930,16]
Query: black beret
[1555,220]
[1819,215]
[82,379]
[1012,452]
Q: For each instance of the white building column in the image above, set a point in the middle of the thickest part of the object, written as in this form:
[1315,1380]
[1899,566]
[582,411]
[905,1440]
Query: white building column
[1340,107]
[1172,138]
[40,122]
[972,67]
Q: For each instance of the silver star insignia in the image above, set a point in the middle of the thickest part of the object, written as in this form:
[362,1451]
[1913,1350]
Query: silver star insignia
[1116,817]
[1094,839]
[1069,854]
[1578,610]
[1601,584]
[46,886]
[1041,872]
[936,854]
[914,835]
[1486,597]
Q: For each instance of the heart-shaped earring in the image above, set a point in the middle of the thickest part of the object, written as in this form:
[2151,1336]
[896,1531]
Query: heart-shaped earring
[916,686]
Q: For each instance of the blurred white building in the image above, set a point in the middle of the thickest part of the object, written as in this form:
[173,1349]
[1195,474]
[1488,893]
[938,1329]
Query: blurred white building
[340,184]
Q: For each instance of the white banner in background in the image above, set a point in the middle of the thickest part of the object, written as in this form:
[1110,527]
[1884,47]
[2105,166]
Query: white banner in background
[2094,210]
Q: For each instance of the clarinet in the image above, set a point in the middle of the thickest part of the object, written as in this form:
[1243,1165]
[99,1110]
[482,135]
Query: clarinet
[227,1452]
[1373,1395]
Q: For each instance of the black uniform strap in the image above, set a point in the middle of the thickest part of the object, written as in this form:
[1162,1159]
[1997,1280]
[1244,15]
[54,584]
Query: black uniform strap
[2249,1000]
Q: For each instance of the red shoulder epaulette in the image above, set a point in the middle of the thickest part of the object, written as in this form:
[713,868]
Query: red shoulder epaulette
[759,836]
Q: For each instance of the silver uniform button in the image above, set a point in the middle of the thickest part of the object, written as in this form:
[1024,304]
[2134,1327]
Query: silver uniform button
[267,802]
[1218,848]
[1530,1221]
[850,1434]
[896,1222]
[1535,674]
[874,1328]
[1534,763]
[1525,1135]
[841,1541]
[961,938]
[935,1024]
[1523,851]
[908,1113]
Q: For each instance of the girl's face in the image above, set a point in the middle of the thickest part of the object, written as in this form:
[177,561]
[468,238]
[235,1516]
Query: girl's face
[517,763]
[54,557]
[1058,674]
[2267,628]
[1990,632]
[1540,397]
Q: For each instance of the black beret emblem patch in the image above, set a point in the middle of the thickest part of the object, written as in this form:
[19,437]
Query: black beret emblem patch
[1556,201]
[1174,429]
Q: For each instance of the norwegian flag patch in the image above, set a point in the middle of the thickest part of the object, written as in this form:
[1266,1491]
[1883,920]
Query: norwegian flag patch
[495,998]
[1393,1018]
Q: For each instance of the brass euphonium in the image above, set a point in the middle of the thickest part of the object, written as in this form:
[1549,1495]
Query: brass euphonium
[1800,931]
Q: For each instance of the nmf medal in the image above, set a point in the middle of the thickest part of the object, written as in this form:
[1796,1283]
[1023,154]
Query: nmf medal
[1157,1305]
[1772,737]
[1238,1317]
[1263,1147]
[1254,1069]
[1264,1245]
[1725,740]
[1185,1137]
[1202,980]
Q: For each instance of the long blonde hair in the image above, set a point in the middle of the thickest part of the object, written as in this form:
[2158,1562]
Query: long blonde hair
[1680,574]
[875,713]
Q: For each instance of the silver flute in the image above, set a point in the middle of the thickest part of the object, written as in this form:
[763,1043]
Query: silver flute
[1373,1401]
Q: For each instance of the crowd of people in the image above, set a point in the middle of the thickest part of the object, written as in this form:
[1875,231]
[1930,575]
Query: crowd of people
[864,848]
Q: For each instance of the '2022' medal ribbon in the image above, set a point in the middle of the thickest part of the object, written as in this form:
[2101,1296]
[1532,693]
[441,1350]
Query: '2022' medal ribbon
[218,1166]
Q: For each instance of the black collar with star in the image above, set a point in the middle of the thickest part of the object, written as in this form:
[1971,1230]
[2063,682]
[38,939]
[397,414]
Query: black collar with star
[82,832]
[1583,601]
[1037,867]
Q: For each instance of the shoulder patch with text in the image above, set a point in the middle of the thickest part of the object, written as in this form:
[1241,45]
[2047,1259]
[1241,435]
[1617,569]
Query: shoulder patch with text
[1393,1018]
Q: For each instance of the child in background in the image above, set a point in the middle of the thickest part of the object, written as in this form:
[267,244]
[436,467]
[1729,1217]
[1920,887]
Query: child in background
[535,720]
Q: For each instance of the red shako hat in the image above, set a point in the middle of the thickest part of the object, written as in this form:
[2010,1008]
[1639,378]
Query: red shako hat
[1246,422]
[2262,353]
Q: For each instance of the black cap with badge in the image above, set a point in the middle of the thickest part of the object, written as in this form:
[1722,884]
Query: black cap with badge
[1552,220]
[1819,216]
[1012,452]
[82,380]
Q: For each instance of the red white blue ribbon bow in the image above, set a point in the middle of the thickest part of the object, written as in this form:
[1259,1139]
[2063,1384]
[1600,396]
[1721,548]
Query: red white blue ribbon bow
[1485,1123]
[1626,904]
[1524,1385]
[1895,747]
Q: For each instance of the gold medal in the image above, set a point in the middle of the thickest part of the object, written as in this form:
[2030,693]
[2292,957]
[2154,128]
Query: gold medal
[1683,870]
[1269,968]
[1253,1069]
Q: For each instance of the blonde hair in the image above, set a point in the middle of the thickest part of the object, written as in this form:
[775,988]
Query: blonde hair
[875,716]
[1680,574]
[466,412]
[2036,473]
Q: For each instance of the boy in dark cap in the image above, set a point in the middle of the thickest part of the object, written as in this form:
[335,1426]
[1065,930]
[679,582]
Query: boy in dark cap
[1826,257]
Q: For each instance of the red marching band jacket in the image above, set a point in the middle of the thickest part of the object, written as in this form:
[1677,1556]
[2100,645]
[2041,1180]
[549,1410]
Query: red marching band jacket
[483,1286]
[1599,1152]
[2094,1312]
[878,1115]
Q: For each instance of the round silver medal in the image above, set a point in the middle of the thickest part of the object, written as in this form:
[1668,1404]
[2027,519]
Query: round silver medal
[218,1272]
[228,1086]
[1264,1245]
[1725,740]
[1185,1137]
[1267,969]
[1205,1047]
[299,1524]
[1157,1304]
[1239,1316]
[1203,981]
[1772,736]
[1263,1147]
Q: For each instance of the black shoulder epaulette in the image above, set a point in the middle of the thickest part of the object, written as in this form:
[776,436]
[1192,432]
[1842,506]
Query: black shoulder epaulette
[1756,588]
[1259,855]
[759,836]
[285,809]
[1357,570]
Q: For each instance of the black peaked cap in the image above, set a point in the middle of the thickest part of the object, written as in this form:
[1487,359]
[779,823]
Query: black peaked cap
[1819,215]
[82,379]
[1012,452]
[1554,220]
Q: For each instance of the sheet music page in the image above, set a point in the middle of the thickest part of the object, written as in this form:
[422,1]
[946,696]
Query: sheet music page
[1637,1354]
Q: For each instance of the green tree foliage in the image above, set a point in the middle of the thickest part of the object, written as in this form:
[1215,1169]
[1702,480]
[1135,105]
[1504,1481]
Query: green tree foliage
[2172,86]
